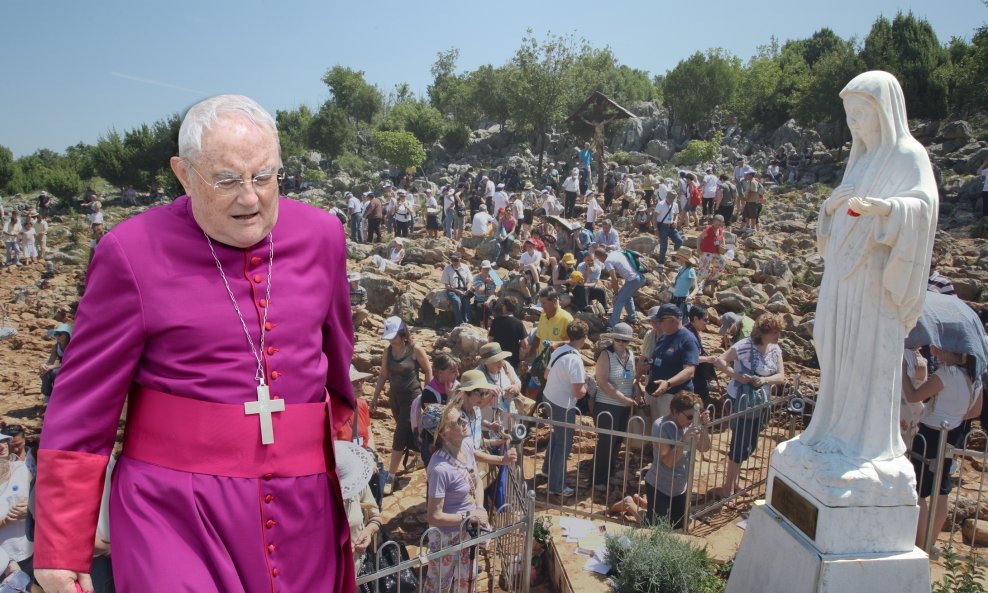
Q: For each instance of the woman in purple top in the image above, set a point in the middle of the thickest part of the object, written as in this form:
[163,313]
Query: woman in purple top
[455,498]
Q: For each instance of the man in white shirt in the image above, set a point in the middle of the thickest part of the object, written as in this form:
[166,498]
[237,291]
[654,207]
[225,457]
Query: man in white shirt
[457,279]
[355,210]
[666,211]
[571,185]
[709,192]
[607,237]
[618,263]
[517,207]
[594,209]
[499,199]
[483,222]
[565,385]
[487,189]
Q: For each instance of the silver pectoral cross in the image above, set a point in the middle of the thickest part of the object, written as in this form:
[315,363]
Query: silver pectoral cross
[263,407]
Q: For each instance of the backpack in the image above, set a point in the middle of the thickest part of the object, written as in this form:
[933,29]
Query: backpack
[696,198]
[342,216]
[636,263]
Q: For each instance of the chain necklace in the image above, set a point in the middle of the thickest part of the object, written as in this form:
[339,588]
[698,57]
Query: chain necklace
[259,374]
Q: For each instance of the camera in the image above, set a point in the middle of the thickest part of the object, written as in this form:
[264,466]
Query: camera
[797,406]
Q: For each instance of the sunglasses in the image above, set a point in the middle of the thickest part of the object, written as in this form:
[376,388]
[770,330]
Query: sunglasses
[462,421]
[688,416]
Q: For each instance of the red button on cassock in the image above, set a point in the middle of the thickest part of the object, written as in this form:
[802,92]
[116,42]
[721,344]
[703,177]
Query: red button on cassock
[270,523]
[263,303]
[258,278]
[268,476]
[269,326]
[271,350]
[268,498]
[271,548]
[255,260]
[276,374]
[274,572]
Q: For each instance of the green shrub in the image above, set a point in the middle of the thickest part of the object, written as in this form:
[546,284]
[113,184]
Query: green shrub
[314,175]
[960,577]
[401,149]
[698,151]
[353,165]
[653,560]
[620,157]
[456,136]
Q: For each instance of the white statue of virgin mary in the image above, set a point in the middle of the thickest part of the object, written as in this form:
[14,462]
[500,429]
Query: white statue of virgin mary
[875,233]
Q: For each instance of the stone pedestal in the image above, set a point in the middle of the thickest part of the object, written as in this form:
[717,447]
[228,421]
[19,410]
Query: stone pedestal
[815,534]
[775,557]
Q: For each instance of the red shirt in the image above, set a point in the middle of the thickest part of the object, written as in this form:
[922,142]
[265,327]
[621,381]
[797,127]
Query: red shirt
[363,425]
[710,239]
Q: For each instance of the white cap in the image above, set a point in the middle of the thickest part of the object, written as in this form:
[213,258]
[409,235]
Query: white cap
[392,325]
[485,264]
[354,277]
[500,186]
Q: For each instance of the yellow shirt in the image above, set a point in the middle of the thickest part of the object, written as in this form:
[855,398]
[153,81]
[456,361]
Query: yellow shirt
[553,329]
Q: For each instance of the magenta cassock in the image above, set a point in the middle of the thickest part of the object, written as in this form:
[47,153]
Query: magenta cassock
[156,315]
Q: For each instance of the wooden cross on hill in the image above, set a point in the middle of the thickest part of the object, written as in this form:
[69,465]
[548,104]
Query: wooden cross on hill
[597,111]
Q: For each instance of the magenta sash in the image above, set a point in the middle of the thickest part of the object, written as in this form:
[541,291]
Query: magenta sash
[200,437]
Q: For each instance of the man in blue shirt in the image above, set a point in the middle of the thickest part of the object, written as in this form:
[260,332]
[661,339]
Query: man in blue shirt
[674,359]
[586,158]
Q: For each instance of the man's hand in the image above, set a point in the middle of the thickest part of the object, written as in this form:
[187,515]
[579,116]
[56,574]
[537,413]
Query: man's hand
[661,388]
[56,580]
[510,457]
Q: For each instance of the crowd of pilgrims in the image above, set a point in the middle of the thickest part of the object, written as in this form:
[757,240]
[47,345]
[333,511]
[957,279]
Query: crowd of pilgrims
[456,422]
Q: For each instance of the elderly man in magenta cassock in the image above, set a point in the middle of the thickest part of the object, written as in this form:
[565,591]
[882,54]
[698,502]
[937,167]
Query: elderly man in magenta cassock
[223,319]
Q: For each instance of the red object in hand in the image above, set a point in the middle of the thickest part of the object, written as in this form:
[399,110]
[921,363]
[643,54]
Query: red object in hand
[852,213]
[78,587]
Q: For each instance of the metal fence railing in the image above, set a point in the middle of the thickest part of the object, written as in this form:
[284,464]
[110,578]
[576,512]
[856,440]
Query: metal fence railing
[965,507]
[505,551]
[621,491]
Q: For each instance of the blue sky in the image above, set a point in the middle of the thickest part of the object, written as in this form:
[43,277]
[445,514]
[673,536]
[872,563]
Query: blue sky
[72,69]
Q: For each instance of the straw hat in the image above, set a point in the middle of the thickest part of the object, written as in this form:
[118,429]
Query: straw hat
[474,379]
[355,465]
[491,352]
[686,254]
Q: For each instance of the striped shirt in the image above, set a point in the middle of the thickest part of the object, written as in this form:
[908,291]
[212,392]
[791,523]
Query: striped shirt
[621,377]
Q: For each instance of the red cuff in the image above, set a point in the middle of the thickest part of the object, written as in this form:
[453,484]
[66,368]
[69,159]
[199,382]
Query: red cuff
[69,489]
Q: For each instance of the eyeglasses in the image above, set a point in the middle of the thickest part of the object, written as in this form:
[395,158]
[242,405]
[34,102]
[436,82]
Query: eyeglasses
[688,416]
[462,421]
[227,187]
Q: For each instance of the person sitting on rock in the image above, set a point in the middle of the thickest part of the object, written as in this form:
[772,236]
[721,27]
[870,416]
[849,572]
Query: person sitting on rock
[530,265]
[482,223]
[607,237]
[457,279]
[551,204]
[591,270]
[49,370]
[643,220]
[484,295]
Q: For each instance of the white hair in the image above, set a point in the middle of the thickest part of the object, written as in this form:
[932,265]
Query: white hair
[204,114]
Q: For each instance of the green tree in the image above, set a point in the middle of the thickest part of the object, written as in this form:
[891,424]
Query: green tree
[489,90]
[450,92]
[81,158]
[331,132]
[293,130]
[599,70]
[110,158]
[969,74]
[700,83]
[355,96]
[768,85]
[819,99]
[401,149]
[542,89]
[908,48]
[6,166]
[818,45]
[415,116]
